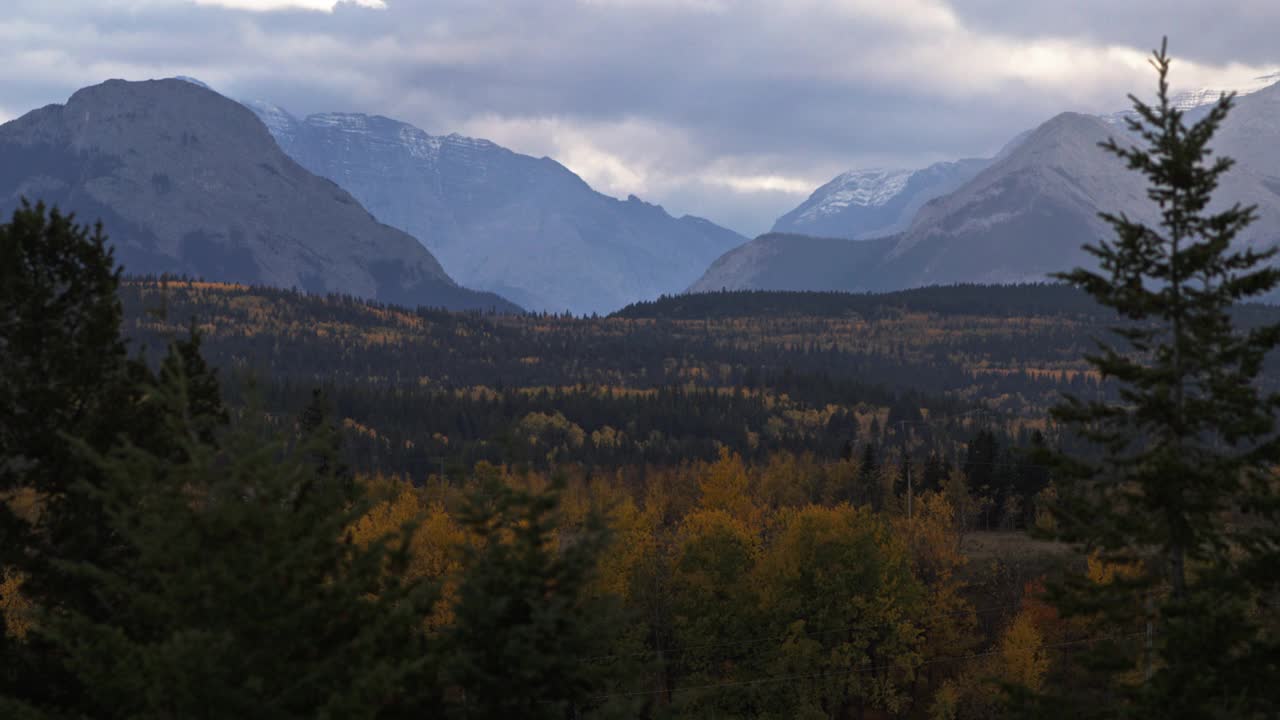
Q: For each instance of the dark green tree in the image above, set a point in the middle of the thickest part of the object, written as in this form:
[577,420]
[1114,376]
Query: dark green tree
[316,423]
[238,591]
[65,380]
[63,374]
[1181,489]
[529,633]
[61,355]
[179,568]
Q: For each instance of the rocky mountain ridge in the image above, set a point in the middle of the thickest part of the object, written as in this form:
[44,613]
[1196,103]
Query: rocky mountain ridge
[187,181]
[527,228]
[1022,217]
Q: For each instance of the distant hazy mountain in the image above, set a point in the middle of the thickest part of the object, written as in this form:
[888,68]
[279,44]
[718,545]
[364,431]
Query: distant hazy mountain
[188,181]
[783,261]
[870,203]
[524,227]
[1024,216]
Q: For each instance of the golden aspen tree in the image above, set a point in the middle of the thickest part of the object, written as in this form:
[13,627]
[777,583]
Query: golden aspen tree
[838,583]
[14,607]
[950,628]
[433,545]
[713,602]
[1023,659]
[725,485]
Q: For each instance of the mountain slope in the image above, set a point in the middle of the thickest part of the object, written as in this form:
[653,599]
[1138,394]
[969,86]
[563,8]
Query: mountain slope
[787,261]
[1251,135]
[869,203]
[525,227]
[1024,216]
[1027,215]
[1020,218]
[187,181]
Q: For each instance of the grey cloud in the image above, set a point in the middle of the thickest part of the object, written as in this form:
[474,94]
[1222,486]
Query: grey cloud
[1204,30]
[798,89]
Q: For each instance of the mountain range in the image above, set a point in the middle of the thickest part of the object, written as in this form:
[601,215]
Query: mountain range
[527,228]
[875,202]
[187,181]
[1022,216]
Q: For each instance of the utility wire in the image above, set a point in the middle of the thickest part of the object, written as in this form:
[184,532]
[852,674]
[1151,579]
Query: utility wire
[773,638]
[851,671]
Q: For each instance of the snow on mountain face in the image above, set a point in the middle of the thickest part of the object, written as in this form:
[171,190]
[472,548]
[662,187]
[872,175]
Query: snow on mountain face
[861,204]
[419,144]
[282,125]
[1189,99]
[1025,215]
[1199,97]
[525,227]
[866,188]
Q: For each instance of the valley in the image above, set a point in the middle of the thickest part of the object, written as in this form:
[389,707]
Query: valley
[666,382]
[399,392]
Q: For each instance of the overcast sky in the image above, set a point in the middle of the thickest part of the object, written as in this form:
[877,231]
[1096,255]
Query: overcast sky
[734,110]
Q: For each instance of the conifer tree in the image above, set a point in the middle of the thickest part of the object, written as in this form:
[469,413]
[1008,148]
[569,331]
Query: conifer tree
[1181,487]
[316,423]
[237,591]
[60,355]
[63,374]
[528,630]
[176,568]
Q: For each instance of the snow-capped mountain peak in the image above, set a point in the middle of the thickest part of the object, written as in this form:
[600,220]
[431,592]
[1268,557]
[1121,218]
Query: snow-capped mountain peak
[860,204]
[865,188]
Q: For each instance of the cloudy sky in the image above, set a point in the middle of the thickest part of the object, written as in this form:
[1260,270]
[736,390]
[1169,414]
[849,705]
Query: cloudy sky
[730,109]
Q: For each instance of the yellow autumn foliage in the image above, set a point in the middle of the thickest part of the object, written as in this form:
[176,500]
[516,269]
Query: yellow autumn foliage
[634,542]
[1104,572]
[937,561]
[432,549]
[15,608]
[1023,659]
[725,486]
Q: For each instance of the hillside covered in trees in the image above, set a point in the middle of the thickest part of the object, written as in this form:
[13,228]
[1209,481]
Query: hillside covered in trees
[660,389]
[951,503]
